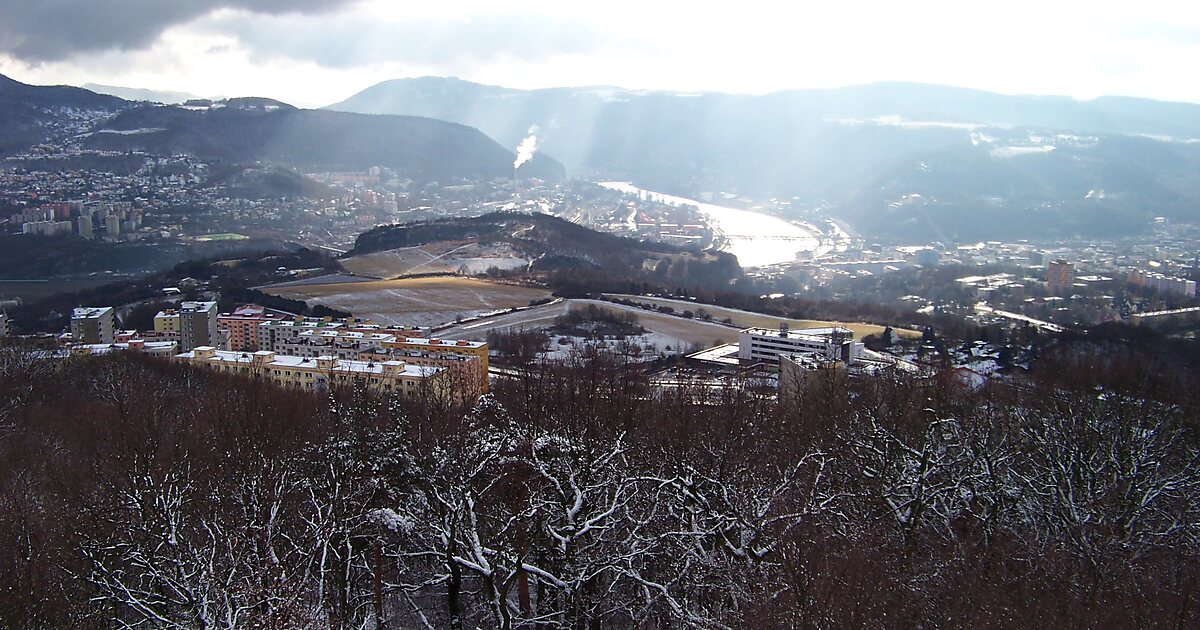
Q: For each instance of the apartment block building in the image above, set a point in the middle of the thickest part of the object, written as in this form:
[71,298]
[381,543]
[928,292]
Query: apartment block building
[240,327]
[477,350]
[337,342]
[275,332]
[1060,276]
[799,372]
[193,324]
[48,228]
[166,324]
[1163,282]
[271,335]
[465,370]
[361,340]
[321,372]
[93,324]
[197,325]
[163,349]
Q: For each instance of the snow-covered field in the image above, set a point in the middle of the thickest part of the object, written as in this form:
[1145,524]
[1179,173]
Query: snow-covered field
[414,301]
[448,256]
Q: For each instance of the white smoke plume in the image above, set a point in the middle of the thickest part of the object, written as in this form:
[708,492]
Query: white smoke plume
[527,148]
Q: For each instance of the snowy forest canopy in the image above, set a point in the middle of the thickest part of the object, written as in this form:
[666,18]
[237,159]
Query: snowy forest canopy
[140,493]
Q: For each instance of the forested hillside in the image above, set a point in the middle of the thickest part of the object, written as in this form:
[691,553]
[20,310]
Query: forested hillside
[144,493]
[576,259]
[981,165]
[247,130]
[253,130]
[29,113]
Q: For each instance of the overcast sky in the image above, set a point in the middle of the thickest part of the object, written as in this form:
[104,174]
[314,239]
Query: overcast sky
[316,52]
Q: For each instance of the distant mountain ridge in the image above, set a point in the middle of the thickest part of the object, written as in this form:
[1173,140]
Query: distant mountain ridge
[141,94]
[1104,114]
[251,130]
[896,159]
[29,114]
[15,92]
[248,130]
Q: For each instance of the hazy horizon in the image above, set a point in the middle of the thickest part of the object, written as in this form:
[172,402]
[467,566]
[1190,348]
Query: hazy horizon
[312,54]
[125,91]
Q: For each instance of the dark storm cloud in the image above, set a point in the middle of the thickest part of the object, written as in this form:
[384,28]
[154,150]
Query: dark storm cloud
[347,39]
[50,30]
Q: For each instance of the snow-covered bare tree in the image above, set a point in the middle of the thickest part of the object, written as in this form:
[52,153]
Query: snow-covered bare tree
[361,465]
[170,551]
[587,486]
[468,510]
[1111,479]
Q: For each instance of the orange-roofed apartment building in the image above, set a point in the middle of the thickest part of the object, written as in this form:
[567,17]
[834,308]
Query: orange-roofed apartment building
[241,326]
[356,339]
[475,349]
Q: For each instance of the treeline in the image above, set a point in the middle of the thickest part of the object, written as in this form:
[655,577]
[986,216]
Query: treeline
[231,279]
[678,273]
[594,321]
[498,227]
[38,256]
[801,307]
[232,297]
[137,492]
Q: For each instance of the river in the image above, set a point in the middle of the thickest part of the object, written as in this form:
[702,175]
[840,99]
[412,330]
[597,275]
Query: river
[756,239]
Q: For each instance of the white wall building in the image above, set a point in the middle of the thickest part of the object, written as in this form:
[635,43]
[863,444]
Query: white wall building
[84,225]
[48,228]
[164,349]
[1164,283]
[764,345]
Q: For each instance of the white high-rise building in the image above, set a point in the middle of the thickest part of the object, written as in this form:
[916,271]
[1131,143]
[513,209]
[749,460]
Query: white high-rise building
[84,225]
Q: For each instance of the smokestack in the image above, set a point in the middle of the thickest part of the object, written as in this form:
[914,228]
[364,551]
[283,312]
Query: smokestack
[526,149]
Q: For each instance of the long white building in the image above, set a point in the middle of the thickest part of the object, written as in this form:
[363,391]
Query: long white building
[1164,283]
[765,345]
[320,372]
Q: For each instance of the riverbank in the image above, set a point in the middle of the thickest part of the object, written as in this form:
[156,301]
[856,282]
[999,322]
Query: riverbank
[756,239]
